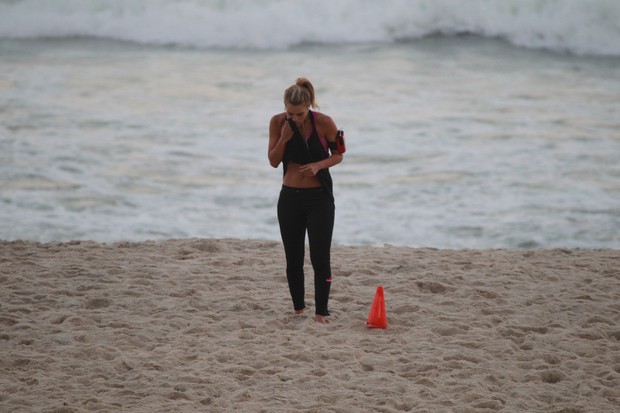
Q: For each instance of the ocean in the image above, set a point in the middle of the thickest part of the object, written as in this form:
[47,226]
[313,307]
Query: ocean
[469,124]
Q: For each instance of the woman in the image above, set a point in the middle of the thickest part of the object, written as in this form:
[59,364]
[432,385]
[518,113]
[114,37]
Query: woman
[304,142]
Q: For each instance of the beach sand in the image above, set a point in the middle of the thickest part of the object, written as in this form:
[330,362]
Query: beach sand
[206,325]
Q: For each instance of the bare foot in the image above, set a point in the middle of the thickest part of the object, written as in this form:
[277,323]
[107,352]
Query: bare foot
[299,312]
[321,319]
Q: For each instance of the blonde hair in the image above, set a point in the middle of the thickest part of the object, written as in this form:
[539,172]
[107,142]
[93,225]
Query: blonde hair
[302,92]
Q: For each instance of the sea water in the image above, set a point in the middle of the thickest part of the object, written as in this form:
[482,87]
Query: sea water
[486,125]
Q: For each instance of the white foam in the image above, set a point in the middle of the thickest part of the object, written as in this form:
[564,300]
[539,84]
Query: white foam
[576,26]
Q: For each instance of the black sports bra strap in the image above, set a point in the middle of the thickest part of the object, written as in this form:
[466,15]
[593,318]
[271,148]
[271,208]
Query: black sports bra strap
[311,114]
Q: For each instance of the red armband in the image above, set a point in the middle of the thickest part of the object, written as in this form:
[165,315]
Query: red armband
[340,142]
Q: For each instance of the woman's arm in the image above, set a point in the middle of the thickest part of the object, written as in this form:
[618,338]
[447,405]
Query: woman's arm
[280,133]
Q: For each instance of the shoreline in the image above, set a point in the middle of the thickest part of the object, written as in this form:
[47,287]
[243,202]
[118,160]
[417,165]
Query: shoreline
[207,324]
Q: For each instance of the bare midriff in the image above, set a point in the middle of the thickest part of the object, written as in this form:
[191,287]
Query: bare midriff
[295,179]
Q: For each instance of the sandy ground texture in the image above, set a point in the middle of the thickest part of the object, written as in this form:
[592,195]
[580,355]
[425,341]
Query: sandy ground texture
[203,325]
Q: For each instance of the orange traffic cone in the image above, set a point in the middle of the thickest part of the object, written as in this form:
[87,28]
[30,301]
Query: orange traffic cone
[378,316]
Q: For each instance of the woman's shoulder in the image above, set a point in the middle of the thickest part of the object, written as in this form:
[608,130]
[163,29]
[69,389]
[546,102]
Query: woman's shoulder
[322,117]
[324,122]
[277,120]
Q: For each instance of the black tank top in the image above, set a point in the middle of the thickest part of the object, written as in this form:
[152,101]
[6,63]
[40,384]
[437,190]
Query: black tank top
[301,151]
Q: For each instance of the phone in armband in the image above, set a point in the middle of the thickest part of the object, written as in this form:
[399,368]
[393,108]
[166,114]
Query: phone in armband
[340,142]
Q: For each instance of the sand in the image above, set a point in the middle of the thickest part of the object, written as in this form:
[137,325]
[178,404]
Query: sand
[204,325]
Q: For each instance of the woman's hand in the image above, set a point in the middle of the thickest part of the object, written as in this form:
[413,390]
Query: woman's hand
[286,132]
[310,169]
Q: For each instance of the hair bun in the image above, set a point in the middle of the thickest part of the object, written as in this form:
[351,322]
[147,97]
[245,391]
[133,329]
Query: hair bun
[302,92]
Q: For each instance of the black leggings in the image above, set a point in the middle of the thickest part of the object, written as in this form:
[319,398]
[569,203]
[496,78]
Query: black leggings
[313,210]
